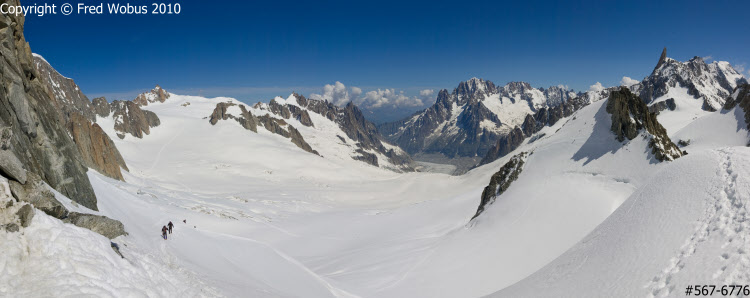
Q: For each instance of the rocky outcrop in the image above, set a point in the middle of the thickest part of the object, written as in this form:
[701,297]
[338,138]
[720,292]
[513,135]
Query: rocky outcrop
[25,215]
[101,106]
[36,193]
[301,115]
[664,105]
[504,145]
[155,95]
[220,113]
[28,113]
[131,119]
[367,157]
[103,225]
[740,97]
[97,149]
[501,181]
[298,140]
[631,116]
[250,122]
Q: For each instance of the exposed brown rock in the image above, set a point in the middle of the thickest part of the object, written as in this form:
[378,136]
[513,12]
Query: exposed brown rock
[101,106]
[65,94]
[131,119]
[156,94]
[97,149]
[220,113]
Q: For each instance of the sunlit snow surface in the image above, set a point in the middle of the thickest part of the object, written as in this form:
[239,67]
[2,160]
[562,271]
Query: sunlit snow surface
[266,219]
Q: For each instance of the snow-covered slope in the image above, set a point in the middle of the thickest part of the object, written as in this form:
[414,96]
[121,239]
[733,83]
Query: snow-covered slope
[340,227]
[687,225]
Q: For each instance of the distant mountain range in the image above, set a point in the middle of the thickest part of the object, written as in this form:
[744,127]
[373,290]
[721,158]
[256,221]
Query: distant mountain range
[481,121]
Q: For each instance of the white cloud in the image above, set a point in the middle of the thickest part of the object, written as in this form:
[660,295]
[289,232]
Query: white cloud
[379,98]
[708,58]
[627,82]
[561,86]
[339,94]
[596,87]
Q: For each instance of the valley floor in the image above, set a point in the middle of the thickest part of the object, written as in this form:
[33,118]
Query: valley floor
[266,219]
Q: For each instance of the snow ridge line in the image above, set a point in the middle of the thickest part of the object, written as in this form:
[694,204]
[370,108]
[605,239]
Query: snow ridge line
[729,216]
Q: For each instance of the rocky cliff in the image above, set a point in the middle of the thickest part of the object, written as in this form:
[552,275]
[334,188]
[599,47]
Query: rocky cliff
[34,137]
[78,115]
[631,117]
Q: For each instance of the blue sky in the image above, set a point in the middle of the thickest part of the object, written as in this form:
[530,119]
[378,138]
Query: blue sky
[256,50]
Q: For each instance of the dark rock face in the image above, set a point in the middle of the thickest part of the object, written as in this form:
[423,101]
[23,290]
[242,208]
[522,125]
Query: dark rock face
[624,106]
[38,138]
[103,225]
[250,122]
[79,115]
[97,149]
[461,124]
[500,181]
[35,192]
[301,115]
[367,157]
[155,95]
[131,119]
[298,140]
[712,83]
[662,58]
[65,94]
[505,145]
[101,106]
[740,97]
[220,113]
[668,104]
[25,215]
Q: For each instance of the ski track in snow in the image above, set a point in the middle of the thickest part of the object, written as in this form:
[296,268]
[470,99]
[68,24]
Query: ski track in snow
[729,216]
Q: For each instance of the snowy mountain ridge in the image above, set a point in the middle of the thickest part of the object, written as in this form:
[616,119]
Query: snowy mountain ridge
[711,82]
[470,119]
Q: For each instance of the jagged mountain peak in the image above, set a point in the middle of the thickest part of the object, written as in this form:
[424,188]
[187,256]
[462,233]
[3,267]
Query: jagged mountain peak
[154,95]
[474,89]
[710,82]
